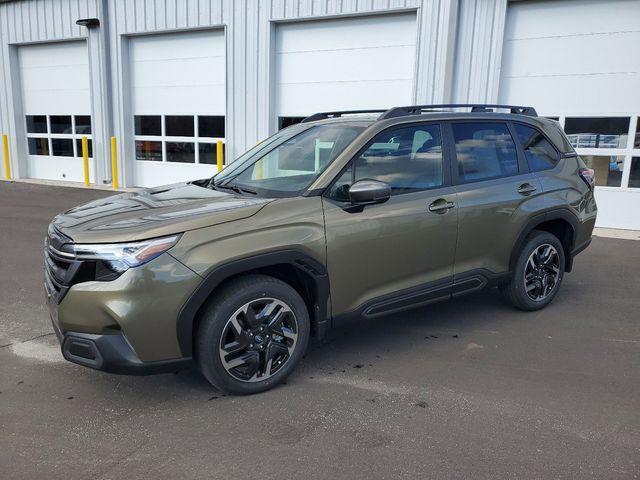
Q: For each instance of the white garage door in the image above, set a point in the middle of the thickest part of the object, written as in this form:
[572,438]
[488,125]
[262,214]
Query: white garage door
[354,63]
[579,61]
[178,92]
[57,107]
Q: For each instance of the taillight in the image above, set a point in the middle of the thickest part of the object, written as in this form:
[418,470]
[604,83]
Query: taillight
[589,177]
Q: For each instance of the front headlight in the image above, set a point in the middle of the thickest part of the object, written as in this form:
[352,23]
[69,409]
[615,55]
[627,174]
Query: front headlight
[118,257]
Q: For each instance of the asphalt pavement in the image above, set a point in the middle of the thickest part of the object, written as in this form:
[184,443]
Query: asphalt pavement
[468,389]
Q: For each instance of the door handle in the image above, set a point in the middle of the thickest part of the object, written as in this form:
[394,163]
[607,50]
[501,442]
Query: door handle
[526,189]
[440,206]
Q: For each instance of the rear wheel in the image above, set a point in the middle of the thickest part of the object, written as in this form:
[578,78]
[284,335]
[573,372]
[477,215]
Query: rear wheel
[253,333]
[538,272]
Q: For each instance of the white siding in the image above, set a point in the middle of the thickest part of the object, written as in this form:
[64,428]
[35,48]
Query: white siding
[573,56]
[352,63]
[55,78]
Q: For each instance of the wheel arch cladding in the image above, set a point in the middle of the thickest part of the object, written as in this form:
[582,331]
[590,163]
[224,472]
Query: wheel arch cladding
[560,222]
[302,272]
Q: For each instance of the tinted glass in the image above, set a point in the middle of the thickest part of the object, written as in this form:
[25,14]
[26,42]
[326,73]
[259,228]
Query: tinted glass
[284,122]
[409,159]
[36,124]
[182,152]
[539,153]
[38,146]
[83,124]
[211,126]
[179,126]
[594,132]
[634,177]
[208,153]
[484,150]
[62,147]
[89,147]
[60,124]
[147,150]
[608,169]
[147,125]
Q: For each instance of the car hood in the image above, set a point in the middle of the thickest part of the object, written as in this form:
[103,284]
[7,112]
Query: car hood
[154,212]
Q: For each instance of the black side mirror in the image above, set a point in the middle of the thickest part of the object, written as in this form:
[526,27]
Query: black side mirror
[367,192]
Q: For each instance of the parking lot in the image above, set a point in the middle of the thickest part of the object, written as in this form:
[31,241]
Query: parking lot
[467,389]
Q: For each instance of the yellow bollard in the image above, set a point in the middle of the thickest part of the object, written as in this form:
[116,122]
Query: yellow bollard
[114,164]
[85,160]
[219,155]
[5,148]
[259,174]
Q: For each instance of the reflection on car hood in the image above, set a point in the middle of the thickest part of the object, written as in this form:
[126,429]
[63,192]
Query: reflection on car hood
[154,212]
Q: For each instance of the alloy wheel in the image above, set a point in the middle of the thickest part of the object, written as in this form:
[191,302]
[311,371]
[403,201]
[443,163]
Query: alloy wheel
[258,340]
[542,272]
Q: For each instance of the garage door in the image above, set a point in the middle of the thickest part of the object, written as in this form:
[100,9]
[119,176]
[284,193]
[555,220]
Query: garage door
[178,92]
[579,61]
[355,63]
[57,108]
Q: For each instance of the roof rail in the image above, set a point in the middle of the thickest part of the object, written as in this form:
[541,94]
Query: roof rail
[475,107]
[324,115]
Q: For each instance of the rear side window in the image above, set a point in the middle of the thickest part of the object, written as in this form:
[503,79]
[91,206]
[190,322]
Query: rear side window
[484,150]
[538,151]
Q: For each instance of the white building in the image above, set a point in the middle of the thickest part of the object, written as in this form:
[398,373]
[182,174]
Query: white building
[169,78]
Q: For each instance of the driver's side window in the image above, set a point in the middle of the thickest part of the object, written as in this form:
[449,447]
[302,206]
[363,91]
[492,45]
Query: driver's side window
[409,159]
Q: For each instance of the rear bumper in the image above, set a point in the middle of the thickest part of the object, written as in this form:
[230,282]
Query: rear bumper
[112,353]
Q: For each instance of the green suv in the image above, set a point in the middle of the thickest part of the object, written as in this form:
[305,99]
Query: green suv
[347,214]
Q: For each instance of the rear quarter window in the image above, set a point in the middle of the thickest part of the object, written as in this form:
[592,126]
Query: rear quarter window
[538,151]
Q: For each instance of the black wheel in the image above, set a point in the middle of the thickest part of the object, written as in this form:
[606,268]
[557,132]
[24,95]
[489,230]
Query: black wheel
[538,272]
[253,333]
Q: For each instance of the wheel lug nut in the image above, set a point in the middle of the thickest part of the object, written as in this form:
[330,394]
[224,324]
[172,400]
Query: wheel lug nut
[251,346]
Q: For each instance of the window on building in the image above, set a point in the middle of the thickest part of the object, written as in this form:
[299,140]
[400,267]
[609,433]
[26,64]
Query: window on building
[178,138]
[538,151]
[594,132]
[484,150]
[409,159]
[284,122]
[608,169]
[634,174]
[58,135]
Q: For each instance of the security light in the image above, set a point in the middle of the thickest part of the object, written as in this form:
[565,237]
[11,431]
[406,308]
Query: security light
[88,22]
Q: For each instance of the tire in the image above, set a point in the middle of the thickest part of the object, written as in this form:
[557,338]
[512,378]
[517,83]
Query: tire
[519,291]
[233,352]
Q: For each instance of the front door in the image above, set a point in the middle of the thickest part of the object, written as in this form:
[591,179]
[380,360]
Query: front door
[399,253]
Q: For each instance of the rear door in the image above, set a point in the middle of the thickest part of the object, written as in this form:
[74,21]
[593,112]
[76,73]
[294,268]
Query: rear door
[496,195]
[399,253]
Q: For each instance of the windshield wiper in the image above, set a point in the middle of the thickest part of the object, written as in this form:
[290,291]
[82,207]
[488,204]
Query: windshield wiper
[235,188]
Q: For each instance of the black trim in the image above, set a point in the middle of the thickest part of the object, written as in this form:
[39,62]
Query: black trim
[407,298]
[580,248]
[336,114]
[421,295]
[113,353]
[301,261]
[561,213]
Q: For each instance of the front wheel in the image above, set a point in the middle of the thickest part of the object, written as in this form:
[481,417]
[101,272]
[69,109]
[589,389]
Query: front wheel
[538,272]
[253,333]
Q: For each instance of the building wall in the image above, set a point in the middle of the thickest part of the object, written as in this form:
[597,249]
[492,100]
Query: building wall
[249,27]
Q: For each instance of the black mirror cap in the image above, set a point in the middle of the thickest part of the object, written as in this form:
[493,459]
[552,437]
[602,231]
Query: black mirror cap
[365,192]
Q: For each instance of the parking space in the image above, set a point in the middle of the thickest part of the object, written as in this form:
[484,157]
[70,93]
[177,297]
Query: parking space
[467,389]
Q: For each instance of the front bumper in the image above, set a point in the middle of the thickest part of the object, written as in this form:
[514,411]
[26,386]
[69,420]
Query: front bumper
[112,353]
[127,325]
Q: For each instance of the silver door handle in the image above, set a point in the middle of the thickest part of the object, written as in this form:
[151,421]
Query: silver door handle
[440,206]
[526,189]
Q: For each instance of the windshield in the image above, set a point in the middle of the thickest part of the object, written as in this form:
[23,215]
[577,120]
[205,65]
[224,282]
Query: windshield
[288,162]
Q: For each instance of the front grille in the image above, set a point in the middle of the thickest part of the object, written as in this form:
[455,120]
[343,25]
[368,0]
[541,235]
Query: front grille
[59,266]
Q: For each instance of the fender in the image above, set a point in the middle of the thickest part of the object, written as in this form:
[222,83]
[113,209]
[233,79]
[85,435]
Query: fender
[561,213]
[307,265]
